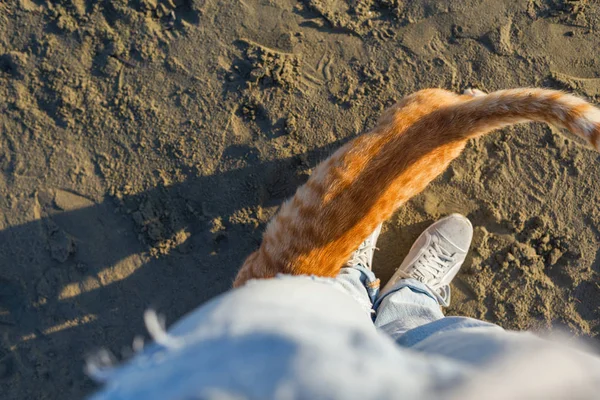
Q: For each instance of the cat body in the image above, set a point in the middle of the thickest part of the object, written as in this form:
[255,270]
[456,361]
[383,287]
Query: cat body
[366,180]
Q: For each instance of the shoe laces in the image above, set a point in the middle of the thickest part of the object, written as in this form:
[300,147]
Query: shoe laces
[434,261]
[363,255]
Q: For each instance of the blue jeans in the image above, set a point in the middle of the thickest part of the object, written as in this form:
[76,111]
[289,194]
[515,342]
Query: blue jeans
[408,312]
[320,338]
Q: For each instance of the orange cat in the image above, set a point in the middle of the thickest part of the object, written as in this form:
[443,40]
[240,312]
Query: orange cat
[366,180]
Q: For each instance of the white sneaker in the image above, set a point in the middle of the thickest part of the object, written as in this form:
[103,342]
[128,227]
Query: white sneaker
[364,254]
[436,256]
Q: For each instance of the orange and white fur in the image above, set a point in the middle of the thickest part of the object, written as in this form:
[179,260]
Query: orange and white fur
[367,179]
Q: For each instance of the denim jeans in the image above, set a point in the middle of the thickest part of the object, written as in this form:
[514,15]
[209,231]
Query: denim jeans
[408,305]
[321,338]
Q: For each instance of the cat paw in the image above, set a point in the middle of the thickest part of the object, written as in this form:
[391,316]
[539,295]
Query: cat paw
[474,92]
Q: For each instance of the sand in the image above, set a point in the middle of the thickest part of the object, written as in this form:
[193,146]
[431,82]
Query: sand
[144,144]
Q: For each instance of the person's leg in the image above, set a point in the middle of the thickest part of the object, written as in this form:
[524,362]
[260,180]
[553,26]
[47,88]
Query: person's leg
[408,305]
[357,279]
[360,283]
[300,337]
[408,308]
[268,339]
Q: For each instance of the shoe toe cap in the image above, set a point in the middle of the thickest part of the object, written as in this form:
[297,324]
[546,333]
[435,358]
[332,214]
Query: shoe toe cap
[456,229]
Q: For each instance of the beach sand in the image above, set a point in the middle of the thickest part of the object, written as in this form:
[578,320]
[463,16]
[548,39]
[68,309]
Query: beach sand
[144,145]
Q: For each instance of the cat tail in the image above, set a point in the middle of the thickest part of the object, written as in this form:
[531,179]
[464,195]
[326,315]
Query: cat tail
[487,112]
